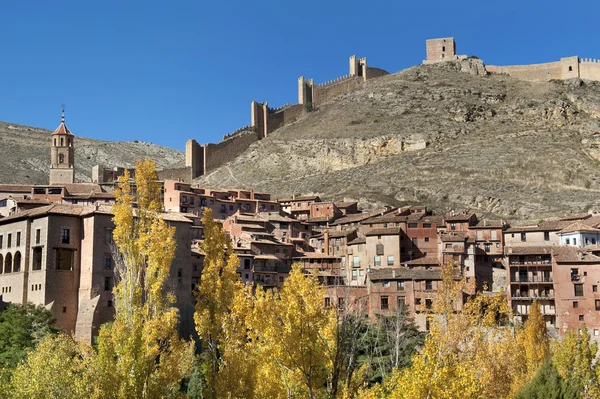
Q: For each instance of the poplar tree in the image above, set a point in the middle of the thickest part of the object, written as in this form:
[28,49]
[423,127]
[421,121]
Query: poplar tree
[140,354]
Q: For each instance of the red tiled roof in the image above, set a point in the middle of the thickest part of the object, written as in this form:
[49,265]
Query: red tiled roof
[578,226]
[62,129]
[384,231]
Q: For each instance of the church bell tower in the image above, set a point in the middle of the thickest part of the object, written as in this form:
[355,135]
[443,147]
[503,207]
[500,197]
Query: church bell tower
[62,168]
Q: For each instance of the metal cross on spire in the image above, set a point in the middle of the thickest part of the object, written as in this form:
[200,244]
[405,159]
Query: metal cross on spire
[62,118]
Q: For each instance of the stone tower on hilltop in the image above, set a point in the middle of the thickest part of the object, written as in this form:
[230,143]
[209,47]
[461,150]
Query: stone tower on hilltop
[62,154]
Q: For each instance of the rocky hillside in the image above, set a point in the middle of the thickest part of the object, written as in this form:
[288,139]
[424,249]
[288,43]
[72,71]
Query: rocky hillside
[25,154]
[493,144]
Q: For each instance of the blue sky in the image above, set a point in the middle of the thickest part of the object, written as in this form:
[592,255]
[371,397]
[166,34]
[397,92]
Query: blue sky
[172,70]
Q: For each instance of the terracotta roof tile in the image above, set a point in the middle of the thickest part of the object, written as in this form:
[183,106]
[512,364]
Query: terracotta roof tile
[384,231]
[62,129]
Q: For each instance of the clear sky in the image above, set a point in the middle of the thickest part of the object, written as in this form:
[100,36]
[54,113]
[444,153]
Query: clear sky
[167,71]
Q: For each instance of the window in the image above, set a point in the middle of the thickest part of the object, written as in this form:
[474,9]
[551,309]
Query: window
[38,233]
[568,241]
[247,207]
[107,262]
[493,235]
[379,249]
[523,237]
[341,303]
[384,302]
[64,309]
[65,236]
[354,275]
[390,260]
[18,238]
[418,301]
[9,241]
[443,48]
[61,157]
[578,289]
[428,303]
[597,304]
[108,236]
[327,302]
[107,284]
[400,285]
[574,241]
[487,247]
[581,318]
[385,283]
[1,237]
[479,235]
[448,246]
[426,239]
[109,303]
[570,68]
[575,304]
[594,288]
[377,261]
[413,225]
[426,225]
[64,259]
[452,226]
[428,285]
[37,258]
[401,302]
[596,333]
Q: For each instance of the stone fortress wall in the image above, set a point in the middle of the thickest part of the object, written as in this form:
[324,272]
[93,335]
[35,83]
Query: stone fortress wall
[444,49]
[201,158]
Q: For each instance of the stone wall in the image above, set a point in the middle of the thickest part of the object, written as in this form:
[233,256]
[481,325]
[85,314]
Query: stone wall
[329,90]
[589,69]
[284,116]
[533,72]
[225,151]
[372,73]
[180,174]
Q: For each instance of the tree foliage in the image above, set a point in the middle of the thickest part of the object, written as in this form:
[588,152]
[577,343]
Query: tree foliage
[22,327]
[140,353]
[548,384]
[59,368]
[468,354]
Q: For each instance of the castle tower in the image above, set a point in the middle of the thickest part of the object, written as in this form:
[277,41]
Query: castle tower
[62,155]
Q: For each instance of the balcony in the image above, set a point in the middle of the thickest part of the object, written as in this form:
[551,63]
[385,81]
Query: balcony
[533,262]
[539,280]
[545,312]
[532,295]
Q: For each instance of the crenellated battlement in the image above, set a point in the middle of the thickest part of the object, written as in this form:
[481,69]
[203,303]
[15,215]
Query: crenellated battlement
[265,120]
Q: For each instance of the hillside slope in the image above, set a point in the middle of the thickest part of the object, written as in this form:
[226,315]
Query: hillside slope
[495,145]
[25,154]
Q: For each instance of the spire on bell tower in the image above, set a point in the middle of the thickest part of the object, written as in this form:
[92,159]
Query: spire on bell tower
[62,155]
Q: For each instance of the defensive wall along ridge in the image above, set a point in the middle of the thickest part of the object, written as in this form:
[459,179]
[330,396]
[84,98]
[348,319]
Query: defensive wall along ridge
[200,158]
[444,49]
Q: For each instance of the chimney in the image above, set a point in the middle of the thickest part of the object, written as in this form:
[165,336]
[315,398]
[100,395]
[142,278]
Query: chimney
[326,241]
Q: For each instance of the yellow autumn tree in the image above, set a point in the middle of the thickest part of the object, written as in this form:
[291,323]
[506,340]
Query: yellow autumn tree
[219,286]
[469,353]
[533,340]
[140,354]
[59,368]
[574,358]
[295,332]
